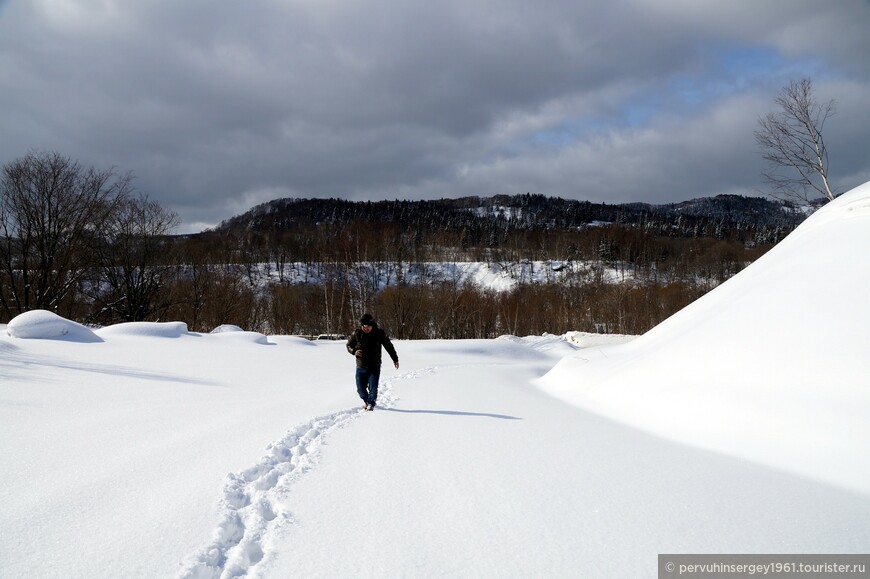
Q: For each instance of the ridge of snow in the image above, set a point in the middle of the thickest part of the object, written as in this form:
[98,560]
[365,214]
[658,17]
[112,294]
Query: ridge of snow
[770,366]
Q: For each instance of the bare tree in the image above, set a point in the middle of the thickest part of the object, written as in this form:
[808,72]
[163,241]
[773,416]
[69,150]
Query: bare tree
[791,142]
[134,257]
[50,208]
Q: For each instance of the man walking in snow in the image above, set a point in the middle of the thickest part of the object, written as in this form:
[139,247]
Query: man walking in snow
[365,344]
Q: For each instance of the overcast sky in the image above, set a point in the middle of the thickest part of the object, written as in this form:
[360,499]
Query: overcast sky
[217,105]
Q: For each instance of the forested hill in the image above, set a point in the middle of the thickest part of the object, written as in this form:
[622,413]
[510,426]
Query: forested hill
[474,267]
[723,216]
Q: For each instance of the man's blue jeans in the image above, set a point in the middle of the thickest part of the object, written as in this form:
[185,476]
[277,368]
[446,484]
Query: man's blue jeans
[367,383]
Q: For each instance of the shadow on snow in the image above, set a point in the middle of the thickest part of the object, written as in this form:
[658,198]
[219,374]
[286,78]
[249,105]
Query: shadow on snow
[452,413]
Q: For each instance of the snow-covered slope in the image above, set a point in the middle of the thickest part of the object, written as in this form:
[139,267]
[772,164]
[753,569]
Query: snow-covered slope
[773,365]
[145,450]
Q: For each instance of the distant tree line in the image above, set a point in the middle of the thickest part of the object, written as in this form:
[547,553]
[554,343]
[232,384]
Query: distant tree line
[85,244]
[348,266]
[491,221]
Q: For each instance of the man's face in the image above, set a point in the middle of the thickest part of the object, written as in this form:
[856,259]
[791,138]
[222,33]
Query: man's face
[366,329]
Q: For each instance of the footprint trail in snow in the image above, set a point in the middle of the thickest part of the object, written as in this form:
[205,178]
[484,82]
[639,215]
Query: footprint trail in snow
[253,506]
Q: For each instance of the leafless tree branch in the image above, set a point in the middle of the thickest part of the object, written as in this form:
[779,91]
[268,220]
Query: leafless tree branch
[792,144]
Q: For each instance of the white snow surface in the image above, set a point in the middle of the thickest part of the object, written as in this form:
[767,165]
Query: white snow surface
[739,425]
[771,366]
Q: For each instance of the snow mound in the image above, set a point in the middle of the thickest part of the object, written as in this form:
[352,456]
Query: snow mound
[230,332]
[550,344]
[590,340]
[145,329]
[45,325]
[226,328]
[771,366]
[240,336]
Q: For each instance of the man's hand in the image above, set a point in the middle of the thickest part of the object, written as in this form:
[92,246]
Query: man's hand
[397,365]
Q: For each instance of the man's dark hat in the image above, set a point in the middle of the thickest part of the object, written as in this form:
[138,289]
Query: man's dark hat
[367,320]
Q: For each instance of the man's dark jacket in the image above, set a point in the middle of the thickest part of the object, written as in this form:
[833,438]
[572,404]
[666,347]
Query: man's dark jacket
[370,344]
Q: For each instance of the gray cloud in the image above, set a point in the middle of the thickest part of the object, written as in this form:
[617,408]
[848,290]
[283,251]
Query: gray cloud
[218,105]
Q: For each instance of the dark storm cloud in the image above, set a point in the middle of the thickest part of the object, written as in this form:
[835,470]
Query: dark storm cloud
[216,106]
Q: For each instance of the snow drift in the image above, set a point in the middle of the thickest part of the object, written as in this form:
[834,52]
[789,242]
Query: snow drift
[45,325]
[771,366]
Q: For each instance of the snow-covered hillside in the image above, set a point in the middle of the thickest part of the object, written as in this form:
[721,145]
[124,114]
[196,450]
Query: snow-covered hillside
[772,366]
[737,426]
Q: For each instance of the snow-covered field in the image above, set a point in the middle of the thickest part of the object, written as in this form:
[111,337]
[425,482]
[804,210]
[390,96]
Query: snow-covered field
[740,425]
